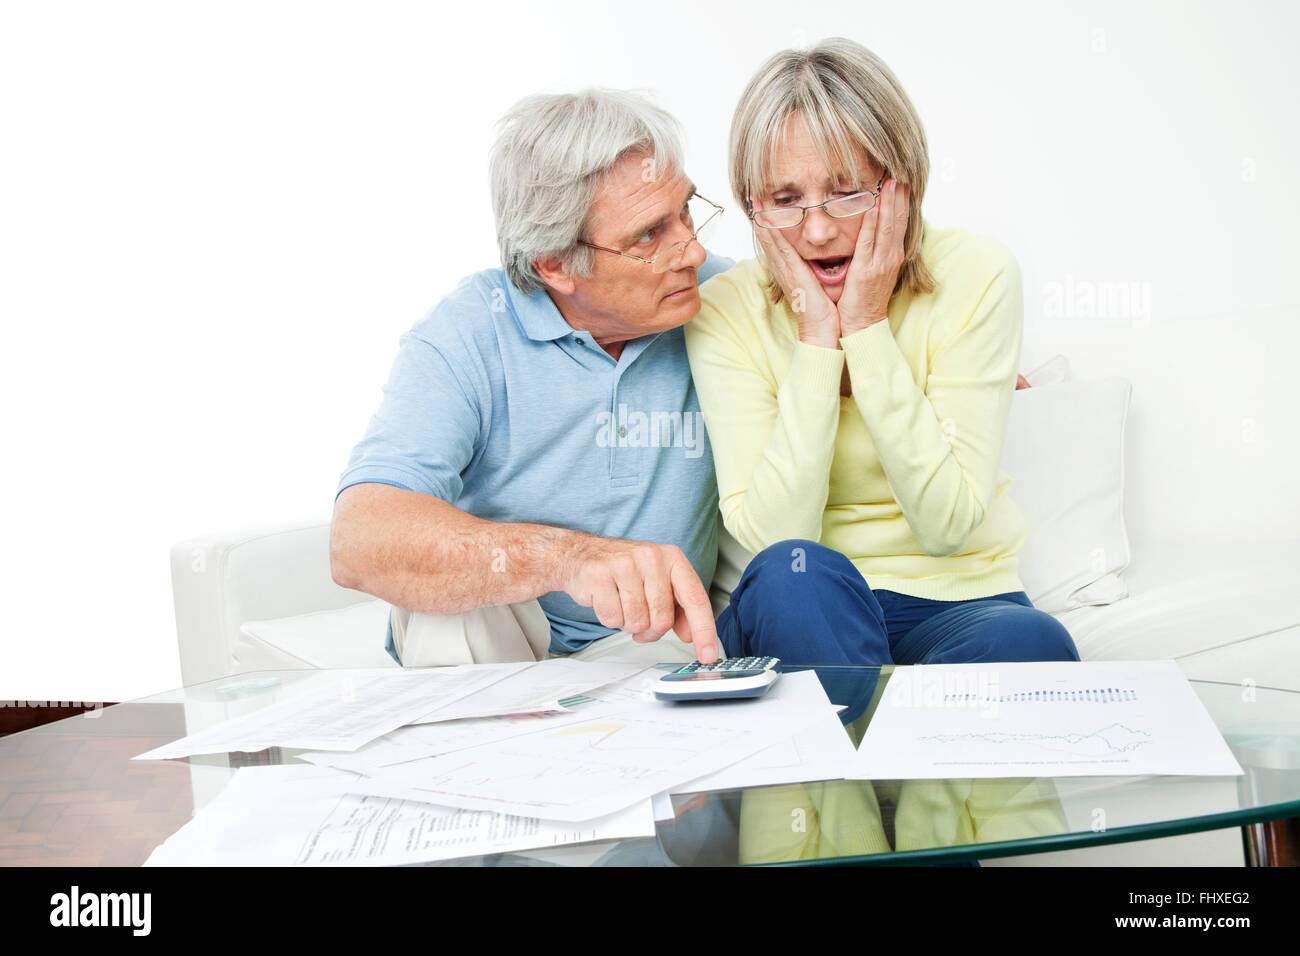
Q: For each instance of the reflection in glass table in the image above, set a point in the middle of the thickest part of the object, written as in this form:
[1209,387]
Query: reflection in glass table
[72,795]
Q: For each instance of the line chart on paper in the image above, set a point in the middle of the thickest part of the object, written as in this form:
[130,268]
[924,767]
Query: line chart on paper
[1043,719]
[1115,738]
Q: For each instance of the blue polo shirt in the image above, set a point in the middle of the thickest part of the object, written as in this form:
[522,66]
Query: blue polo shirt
[496,405]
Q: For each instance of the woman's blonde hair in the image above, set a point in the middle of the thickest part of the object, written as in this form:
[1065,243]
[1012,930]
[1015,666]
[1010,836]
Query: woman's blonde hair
[849,99]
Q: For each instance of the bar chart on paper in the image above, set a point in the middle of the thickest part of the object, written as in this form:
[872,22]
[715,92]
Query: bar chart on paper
[1041,719]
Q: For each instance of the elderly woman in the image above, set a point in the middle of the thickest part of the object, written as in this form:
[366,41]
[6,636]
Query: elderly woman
[855,380]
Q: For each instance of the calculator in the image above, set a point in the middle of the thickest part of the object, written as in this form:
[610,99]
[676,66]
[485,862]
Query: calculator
[731,679]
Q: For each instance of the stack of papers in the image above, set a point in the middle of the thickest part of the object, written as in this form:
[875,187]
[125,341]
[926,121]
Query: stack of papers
[433,765]
[615,757]
[509,758]
[300,815]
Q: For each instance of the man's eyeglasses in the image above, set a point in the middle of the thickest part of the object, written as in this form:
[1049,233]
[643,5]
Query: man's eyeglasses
[842,207]
[698,209]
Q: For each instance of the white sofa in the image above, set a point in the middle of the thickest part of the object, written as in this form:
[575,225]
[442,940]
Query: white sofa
[1209,458]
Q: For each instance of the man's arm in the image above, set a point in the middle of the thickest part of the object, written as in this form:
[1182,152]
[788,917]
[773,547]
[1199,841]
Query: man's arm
[419,552]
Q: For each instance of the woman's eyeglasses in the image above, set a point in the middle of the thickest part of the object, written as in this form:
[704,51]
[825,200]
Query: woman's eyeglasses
[842,207]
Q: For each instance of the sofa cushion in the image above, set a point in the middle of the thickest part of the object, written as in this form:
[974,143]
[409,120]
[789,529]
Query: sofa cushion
[1064,452]
[1206,597]
[1213,437]
[352,636]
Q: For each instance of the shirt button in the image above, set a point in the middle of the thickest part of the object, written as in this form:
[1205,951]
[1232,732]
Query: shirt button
[622,432]
[580,341]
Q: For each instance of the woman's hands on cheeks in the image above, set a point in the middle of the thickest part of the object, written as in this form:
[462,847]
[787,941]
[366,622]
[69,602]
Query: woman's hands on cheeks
[819,320]
[877,259]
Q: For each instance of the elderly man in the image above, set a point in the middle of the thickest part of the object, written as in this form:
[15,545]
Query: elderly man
[537,479]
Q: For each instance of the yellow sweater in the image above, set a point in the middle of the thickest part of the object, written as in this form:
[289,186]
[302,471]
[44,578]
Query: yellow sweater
[904,476]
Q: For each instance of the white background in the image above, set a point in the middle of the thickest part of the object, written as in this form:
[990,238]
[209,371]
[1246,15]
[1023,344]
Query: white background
[216,219]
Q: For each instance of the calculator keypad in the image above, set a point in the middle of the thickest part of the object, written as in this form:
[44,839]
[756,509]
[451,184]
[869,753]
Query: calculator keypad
[730,664]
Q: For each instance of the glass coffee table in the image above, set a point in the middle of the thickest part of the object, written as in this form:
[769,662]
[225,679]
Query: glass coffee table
[71,795]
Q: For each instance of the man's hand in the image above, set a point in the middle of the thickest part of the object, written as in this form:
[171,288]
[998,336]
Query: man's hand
[642,588]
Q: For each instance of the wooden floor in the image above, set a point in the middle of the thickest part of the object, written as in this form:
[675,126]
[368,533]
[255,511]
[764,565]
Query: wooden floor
[70,798]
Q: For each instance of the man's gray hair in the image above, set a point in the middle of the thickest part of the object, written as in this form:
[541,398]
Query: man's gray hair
[549,162]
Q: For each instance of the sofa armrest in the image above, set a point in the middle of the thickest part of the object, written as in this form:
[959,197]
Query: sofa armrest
[220,582]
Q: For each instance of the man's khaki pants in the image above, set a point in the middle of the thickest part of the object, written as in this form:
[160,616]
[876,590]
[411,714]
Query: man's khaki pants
[510,632]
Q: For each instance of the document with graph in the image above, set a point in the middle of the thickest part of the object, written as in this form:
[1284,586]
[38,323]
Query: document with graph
[1051,719]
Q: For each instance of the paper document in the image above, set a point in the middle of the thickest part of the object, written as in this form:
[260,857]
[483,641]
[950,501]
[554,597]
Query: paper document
[539,687]
[341,716]
[1051,719]
[603,764]
[299,815]
[428,740]
[821,751]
